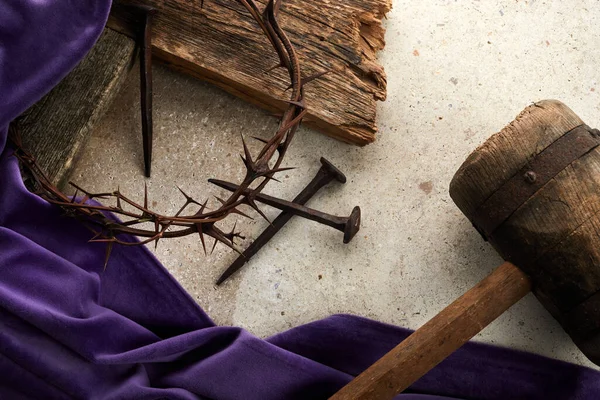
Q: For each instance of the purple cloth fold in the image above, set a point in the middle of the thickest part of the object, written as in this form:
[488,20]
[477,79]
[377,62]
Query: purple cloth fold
[70,330]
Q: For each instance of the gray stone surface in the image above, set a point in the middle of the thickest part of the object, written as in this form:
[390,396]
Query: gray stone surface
[458,71]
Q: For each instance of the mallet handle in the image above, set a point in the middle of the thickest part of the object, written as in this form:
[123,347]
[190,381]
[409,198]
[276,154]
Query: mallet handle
[440,337]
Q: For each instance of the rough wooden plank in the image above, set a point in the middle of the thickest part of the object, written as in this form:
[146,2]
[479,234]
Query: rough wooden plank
[221,44]
[57,127]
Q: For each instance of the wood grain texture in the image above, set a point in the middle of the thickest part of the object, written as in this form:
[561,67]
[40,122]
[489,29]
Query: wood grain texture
[439,337]
[56,127]
[219,43]
[550,236]
[557,243]
[506,152]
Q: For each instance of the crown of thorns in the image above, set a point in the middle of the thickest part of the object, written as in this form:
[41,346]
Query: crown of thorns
[135,218]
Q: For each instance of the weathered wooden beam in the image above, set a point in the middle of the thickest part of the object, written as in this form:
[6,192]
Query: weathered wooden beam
[219,43]
[57,127]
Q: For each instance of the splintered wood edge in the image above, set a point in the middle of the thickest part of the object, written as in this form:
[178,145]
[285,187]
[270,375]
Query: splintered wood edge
[369,39]
[358,136]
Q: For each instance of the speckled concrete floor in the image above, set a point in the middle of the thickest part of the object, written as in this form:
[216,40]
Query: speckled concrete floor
[457,71]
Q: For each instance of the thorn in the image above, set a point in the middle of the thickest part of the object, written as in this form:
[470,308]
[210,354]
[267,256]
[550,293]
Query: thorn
[280,65]
[74,196]
[270,178]
[260,139]
[314,76]
[200,232]
[250,167]
[96,236]
[88,195]
[309,79]
[274,171]
[252,204]
[236,211]
[246,150]
[71,183]
[220,200]
[213,248]
[95,213]
[201,210]
[109,247]
[247,158]
[233,210]
[233,234]
[279,146]
[103,240]
[188,198]
[220,236]
[118,194]
[202,207]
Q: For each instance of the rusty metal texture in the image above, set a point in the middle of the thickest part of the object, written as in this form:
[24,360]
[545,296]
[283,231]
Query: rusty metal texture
[532,177]
[145,43]
[326,174]
[349,226]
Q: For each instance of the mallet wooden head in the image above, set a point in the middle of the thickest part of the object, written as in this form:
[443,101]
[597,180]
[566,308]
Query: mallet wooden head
[533,191]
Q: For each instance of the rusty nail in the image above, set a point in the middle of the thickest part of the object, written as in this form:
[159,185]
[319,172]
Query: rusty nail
[145,44]
[326,174]
[349,225]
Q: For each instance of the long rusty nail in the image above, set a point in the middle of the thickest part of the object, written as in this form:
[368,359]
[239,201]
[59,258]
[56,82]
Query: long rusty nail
[145,43]
[349,225]
[326,174]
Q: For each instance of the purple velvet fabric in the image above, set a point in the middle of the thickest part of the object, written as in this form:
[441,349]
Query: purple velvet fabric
[69,330]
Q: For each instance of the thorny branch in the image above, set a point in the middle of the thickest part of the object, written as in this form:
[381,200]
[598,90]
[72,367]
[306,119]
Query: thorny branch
[136,217]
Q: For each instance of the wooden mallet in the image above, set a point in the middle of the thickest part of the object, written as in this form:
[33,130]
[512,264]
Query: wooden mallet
[533,191]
